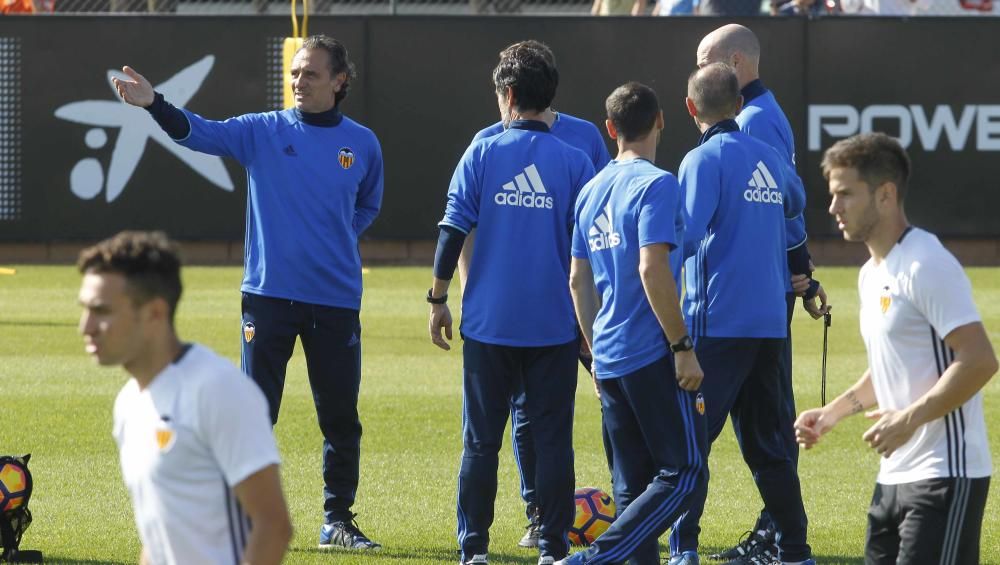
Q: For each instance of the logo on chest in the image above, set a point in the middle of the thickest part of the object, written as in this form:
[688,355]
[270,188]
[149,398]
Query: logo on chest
[885,300]
[165,435]
[346,157]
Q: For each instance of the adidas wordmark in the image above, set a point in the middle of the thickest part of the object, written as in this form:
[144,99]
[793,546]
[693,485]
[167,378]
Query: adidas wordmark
[525,191]
[763,187]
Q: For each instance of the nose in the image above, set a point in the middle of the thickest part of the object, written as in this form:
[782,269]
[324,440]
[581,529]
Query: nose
[834,206]
[87,324]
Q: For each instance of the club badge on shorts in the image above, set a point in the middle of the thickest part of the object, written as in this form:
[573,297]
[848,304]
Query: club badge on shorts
[248,331]
[885,300]
[699,404]
[346,157]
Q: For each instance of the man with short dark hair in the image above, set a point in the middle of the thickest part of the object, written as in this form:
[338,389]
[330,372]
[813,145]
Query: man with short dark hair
[762,118]
[520,337]
[929,358]
[197,452]
[626,262]
[315,184]
[737,194]
[584,136]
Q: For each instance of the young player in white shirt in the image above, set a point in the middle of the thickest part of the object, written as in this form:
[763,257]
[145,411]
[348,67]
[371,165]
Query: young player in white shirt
[928,359]
[194,436]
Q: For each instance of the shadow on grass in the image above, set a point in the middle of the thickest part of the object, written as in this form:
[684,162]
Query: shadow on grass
[34,324]
[819,557]
[56,559]
[423,556]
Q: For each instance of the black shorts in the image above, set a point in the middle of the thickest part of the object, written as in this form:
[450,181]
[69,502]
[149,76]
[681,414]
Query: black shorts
[926,522]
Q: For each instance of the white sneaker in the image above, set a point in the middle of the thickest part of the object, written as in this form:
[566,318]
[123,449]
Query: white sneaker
[546,560]
[477,559]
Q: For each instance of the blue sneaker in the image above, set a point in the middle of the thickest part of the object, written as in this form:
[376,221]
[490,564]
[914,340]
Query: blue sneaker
[346,536]
[684,558]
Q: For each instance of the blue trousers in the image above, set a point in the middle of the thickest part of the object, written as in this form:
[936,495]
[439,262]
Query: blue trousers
[787,428]
[542,380]
[331,340]
[741,381]
[524,447]
[658,439]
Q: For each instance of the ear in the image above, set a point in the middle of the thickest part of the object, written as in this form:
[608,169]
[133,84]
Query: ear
[612,132]
[508,95]
[886,193]
[659,120]
[739,104]
[691,108]
[157,310]
[338,81]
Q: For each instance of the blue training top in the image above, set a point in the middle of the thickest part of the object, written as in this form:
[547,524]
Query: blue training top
[312,191]
[518,189]
[628,205]
[736,196]
[579,133]
[763,118]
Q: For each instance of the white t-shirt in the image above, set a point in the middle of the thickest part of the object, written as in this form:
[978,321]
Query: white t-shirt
[909,302]
[200,428]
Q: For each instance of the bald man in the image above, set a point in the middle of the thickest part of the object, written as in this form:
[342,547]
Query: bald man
[762,118]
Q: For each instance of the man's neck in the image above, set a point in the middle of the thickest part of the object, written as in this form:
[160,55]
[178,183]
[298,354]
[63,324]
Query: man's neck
[157,356]
[549,117]
[748,78]
[705,126]
[644,148]
[886,235]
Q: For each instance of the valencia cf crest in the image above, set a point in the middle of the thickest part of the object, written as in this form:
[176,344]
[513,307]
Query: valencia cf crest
[248,332]
[346,157]
[699,404]
[165,438]
[885,300]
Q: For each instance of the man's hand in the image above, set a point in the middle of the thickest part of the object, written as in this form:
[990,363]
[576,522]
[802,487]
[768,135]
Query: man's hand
[689,373]
[812,425]
[815,311]
[440,318]
[137,92]
[800,284]
[597,386]
[891,430]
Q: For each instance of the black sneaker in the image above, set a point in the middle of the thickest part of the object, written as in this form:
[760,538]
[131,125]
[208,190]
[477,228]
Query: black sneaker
[345,535]
[750,544]
[533,531]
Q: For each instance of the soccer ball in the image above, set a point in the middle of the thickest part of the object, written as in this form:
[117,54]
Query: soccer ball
[13,486]
[595,510]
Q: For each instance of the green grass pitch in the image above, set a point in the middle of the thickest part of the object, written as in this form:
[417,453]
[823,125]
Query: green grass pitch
[55,403]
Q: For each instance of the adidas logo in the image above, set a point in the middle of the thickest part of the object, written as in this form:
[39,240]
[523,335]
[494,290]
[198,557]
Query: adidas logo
[290,151]
[602,234]
[763,187]
[526,191]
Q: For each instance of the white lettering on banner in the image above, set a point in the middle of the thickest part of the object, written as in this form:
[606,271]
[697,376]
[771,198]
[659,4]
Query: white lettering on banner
[86,180]
[844,120]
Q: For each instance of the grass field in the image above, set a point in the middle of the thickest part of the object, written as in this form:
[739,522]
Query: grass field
[55,403]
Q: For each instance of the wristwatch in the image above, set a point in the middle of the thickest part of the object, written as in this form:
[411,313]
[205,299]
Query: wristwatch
[439,300]
[685,344]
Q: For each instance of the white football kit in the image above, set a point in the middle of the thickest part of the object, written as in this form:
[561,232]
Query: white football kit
[909,302]
[200,428]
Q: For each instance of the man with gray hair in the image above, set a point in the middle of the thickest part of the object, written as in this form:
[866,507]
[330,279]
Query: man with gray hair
[736,193]
[762,118]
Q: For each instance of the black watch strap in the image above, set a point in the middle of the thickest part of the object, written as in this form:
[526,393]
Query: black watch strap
[439,300]
[683,344]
